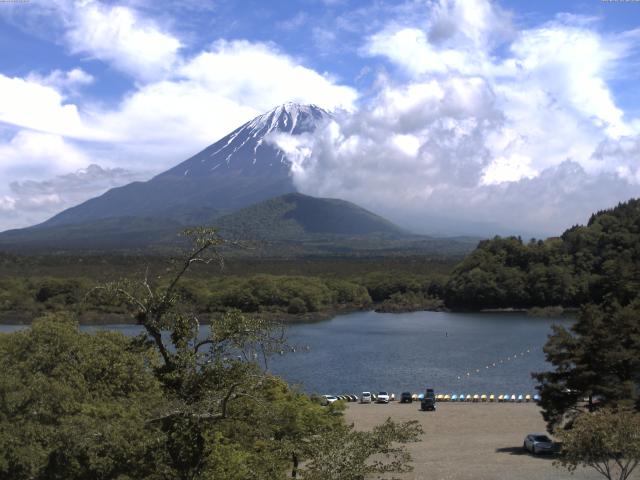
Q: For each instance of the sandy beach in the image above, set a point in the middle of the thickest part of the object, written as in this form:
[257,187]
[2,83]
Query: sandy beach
[480,441]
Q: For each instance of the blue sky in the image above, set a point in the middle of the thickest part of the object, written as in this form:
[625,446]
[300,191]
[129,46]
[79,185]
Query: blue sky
[477,108]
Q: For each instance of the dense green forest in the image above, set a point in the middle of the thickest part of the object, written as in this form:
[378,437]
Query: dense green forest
[289,289]
[587,264]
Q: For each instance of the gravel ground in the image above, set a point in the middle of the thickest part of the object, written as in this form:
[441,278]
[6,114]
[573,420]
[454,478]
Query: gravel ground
[470,441]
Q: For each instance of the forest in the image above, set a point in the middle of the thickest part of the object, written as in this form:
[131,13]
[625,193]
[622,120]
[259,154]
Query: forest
[586,264]
[293,290]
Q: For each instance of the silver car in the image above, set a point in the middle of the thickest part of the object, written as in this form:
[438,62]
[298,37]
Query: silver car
[538,443]
[328,399]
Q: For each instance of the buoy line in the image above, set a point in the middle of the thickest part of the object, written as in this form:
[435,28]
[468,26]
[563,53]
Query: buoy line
[496,364]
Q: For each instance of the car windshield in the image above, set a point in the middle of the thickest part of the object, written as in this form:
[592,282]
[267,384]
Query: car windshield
[366,394]
[382,393]
[542,438]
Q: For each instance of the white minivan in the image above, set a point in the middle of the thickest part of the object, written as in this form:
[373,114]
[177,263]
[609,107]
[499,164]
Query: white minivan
[365,397]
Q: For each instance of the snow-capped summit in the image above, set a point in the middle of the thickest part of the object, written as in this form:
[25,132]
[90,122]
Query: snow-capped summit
[290,117]
[248,149]
[242,168]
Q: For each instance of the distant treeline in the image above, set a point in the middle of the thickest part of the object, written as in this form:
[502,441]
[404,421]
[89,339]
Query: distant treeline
[261,293]
[587,264]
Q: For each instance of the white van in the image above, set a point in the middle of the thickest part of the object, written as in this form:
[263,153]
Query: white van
[365,397]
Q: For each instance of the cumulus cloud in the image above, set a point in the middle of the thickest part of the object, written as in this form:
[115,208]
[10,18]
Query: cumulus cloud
[29,202]
[70,81]
[33,154]
[530,139]
[37,104]
[119,36]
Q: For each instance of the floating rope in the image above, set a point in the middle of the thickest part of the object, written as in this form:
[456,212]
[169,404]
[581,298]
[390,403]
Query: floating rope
[496,364]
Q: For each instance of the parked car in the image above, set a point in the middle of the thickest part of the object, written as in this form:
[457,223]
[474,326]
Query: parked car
[428,402]
[365,397]
[327,399]
[383,397]
[405,397]
[538,443]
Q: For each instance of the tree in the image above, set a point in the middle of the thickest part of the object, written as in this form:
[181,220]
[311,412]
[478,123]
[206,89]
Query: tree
[599,359]
[607,441]
[345,454]
[75,405]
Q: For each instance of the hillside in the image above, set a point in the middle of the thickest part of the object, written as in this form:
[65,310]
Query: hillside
[292,225]
[297,217]
[593,263]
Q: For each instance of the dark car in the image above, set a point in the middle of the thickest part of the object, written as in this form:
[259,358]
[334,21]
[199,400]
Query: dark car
[405,397]
[428,402]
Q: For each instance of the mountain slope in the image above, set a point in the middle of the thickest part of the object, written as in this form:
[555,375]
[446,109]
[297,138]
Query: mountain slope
[297,217]
[238,170]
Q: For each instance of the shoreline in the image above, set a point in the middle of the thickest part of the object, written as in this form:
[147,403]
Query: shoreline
[100,318]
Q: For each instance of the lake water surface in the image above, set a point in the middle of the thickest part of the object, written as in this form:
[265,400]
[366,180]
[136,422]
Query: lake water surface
[411,351]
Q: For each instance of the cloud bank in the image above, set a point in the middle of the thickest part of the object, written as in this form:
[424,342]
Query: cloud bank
[34,200]
[460,138]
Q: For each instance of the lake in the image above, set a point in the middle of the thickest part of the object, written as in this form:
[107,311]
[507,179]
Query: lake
[411,351]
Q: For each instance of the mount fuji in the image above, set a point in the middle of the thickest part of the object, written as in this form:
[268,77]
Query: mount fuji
[241,184]
[238,170]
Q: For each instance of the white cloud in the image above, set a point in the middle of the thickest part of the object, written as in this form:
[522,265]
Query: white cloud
[31,104]
[531,138]
[33,154]
[29,201]
[259,75]
[7,203]
[70,81]
[118,35]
